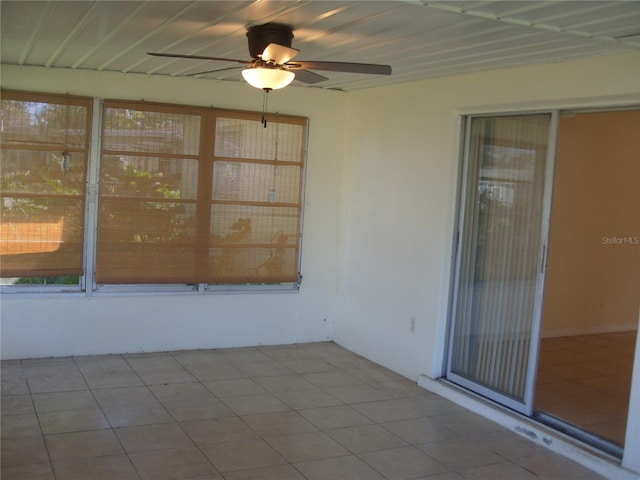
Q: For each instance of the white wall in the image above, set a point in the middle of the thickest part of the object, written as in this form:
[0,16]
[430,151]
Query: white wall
[74,325]
[399,193]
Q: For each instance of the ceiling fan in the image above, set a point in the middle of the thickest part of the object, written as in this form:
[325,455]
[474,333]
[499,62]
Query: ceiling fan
[272,68]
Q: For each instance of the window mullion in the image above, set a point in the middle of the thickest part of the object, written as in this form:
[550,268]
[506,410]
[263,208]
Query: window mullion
[91,211]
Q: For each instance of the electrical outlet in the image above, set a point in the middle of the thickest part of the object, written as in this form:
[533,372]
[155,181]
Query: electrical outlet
[412,324]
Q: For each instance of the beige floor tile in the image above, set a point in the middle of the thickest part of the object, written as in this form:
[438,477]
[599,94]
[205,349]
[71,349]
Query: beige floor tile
[172,464]
[234,387]
[339,468]
[198,357]
[36,471]
[220,430]
[242,455]
[255,404]
[14,386]
[500,471]
[467,423]
[57,384]
[281,423]
[51,402]
[183,410]
[181,392]
[17,404]
[236,356]
[421,430]
[159,361]
[76,445]
[331,379]
[113,397]
[328,350]
[12,369]
[112,379]
[429,405]
[287,352]
[160,378]
[443,476]
[292,412]
[306,446]
[102,364]
[284,383]
[328,418]
[387,411]
[97,468]
[264,369]
[23,451]
[206,373]
[366,438]
[51,369]
[374,374]
[279,472]
[460,454]
[47,361]
[403,463]
[349,362]
[400,389]
[23,425]
[313,365]
[132,415]
[73,420]
[550,465]
[304,399]
[358,393]
[153,437]
[507,444]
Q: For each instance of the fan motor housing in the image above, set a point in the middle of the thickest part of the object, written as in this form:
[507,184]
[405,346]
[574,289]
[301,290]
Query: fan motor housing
[262,35]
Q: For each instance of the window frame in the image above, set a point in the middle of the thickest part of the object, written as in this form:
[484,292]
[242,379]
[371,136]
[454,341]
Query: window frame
[89,104]
[89,287]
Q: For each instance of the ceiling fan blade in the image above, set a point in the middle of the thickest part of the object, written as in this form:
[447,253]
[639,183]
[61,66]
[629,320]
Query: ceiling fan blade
[198,57]
[305,76]
[348,67]
[278,53]
[212,71]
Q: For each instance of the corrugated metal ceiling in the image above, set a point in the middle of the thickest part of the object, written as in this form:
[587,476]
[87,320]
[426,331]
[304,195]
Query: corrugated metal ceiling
[419,39]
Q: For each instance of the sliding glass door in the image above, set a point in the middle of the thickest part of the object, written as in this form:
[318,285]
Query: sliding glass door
[500,256]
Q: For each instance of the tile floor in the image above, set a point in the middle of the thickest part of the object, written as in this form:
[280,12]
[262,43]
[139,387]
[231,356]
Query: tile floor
[586,380]
[312,411]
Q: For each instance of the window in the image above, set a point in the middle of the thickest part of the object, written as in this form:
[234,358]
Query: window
[193,195]
[43,172]
[177,195]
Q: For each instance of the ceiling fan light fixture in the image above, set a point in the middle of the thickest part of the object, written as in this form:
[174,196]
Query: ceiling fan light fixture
[268,78]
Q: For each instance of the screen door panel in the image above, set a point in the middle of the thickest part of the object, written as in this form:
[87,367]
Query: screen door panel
[499,256]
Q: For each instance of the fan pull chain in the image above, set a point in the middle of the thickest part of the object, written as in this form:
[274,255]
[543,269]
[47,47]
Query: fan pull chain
[265,104]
